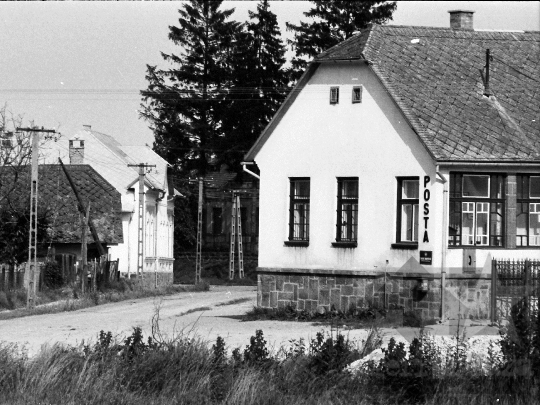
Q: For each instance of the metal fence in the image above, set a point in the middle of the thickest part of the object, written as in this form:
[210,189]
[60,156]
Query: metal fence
[514,282]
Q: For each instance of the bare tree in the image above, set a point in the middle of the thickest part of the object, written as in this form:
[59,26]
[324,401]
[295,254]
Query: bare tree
[15,154]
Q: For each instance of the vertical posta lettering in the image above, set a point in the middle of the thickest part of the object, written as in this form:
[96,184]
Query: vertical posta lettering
[427,196]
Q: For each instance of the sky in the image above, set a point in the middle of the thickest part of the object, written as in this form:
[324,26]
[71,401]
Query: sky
[68,64]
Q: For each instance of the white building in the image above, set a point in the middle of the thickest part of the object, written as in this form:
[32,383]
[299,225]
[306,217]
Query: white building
[395,154]
[111,160]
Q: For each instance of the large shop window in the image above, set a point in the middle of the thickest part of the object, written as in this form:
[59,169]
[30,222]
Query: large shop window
[299,212]
[476,210]
[347,210]
[528,211]
[407,221]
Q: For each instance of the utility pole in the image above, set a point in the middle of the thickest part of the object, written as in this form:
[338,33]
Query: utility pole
[140,245]
[31,264]
[198,254]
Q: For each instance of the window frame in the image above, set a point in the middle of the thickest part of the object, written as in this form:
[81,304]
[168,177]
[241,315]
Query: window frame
[412,244]
[354,99]
[476,205]
[352,229]
[334,100]
[294,199]
[524,198]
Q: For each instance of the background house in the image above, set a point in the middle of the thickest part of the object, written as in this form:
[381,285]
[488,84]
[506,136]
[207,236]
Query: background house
[219,187]
[58,207]
[410,152]
[111,160]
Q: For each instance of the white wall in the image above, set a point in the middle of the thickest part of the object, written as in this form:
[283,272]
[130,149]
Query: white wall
[371,141]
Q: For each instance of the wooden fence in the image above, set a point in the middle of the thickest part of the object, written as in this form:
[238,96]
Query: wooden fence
[514,281]
[11,278]
[100,273]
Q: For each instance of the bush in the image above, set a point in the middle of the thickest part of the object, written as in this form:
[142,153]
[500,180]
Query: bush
[331,354]
[52,276]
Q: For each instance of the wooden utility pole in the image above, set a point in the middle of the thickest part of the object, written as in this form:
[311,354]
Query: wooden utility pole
[31,264]
[82,210]
[140,244]
[84,249]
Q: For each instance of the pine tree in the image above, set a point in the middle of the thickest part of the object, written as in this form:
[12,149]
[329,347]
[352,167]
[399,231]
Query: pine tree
[259,84]
[333,21]
[185,104]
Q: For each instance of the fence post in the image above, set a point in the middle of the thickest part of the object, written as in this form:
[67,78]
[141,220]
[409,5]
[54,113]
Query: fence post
[527,288]
[493,290]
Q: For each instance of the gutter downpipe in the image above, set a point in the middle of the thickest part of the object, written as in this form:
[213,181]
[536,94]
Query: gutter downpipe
[244,164]
[444,240]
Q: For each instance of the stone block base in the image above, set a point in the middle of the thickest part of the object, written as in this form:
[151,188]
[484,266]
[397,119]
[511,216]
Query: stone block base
[468,298]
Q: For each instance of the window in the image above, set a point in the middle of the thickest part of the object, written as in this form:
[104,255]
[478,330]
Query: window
[334,95]
[357,94]
[407,221]
[217,221]
[528,211]
[476,210]
[299,210]
[347,210]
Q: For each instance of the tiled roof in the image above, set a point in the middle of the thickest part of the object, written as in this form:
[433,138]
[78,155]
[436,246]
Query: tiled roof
[433,75]
[57,198]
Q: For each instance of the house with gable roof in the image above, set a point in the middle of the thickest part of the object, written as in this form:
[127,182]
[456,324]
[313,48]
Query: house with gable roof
[406,154]
[58,206]
[111,160]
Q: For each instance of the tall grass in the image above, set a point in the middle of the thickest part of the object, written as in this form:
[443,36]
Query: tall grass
[185,370]
[71,299]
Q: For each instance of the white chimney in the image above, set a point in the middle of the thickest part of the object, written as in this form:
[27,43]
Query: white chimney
[76,151]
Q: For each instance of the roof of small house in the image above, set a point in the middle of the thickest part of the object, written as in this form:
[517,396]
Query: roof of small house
[58,201]
[434,77]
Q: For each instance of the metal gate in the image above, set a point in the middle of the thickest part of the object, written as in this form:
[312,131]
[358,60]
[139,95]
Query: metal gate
[513,282]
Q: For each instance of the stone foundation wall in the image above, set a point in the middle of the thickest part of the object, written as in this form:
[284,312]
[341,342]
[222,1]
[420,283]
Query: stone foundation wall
[464,297]
[163,279]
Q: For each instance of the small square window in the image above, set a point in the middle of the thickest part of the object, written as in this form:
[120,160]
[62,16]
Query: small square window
[334,95]
[357,94]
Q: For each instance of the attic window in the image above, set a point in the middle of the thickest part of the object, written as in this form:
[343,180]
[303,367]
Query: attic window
[334,95]
[357,94]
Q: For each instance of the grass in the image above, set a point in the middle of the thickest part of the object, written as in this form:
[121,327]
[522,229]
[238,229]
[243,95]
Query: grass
[71,299]
[232,302]
[185,370]
[214,273]
[354,318]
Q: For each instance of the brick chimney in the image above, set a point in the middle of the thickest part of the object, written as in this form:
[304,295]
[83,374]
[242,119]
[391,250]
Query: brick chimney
[76,151]
[461,19]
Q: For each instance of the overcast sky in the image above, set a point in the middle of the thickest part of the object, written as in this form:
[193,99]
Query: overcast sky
[66,64]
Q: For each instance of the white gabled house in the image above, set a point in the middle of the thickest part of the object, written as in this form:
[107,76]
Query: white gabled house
[400,154]
[111,160]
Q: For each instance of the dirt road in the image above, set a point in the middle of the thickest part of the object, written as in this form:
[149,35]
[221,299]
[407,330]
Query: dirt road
[205,314]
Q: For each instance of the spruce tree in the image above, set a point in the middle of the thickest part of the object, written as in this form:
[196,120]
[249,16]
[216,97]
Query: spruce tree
[185,103]
[333,21]
[259,83]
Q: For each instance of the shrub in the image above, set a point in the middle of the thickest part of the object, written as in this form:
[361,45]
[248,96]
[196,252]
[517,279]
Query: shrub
[52,276]
[256,353]
[331,354]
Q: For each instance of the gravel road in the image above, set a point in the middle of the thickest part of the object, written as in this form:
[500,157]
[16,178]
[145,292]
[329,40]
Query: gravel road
[203,314]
